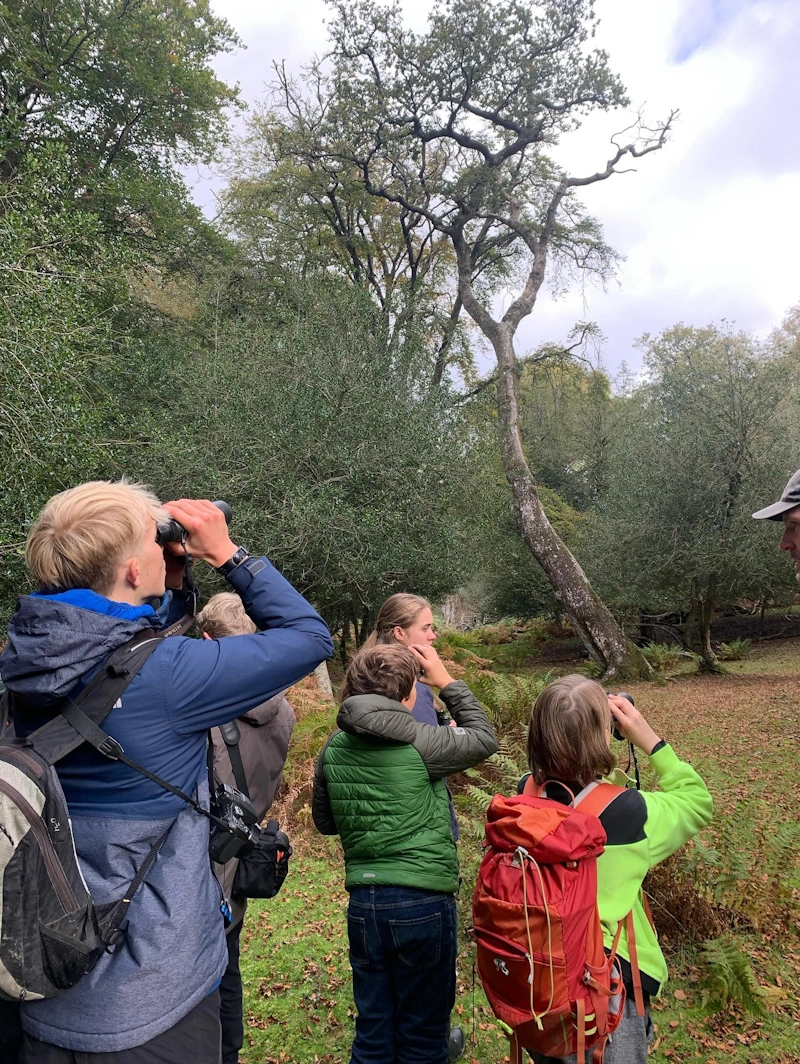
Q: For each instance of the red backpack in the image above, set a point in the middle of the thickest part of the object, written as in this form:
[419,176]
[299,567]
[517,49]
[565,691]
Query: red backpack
[539,940]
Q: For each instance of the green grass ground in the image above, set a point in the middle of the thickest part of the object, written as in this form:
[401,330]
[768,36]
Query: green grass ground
[740,885]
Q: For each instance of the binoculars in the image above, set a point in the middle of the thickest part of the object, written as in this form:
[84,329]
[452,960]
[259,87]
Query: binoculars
[172,531]
[614,729]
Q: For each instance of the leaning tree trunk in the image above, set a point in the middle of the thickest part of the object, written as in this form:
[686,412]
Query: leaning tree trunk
[602,635]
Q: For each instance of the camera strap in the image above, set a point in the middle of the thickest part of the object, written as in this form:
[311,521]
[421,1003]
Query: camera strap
[231,734]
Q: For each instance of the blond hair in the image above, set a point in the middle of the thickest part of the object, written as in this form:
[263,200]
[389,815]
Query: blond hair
[223,615]
[568,732]
[385,670]
[398,611]
[83,534]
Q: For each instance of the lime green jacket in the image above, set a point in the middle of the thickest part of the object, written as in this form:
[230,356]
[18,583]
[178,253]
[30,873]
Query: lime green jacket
[379,784]
[670,818]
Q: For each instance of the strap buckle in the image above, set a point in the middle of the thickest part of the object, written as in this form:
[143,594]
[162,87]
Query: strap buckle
[110,748]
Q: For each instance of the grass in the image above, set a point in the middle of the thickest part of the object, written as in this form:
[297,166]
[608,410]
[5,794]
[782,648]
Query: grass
[738,887]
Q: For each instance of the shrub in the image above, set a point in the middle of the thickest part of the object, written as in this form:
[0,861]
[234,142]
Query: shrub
[735,650]
[663,656]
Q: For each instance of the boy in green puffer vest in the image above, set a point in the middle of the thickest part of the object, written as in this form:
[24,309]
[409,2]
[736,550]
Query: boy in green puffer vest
[379,784]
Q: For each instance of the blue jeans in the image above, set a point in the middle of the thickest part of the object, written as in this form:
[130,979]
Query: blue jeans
[403,956]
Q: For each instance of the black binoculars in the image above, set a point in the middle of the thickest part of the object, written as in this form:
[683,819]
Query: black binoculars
[614,729]
[172,531]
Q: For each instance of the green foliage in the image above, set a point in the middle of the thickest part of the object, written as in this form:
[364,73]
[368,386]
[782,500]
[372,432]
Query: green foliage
[708,431]
[749,836]
[663,656]
[735,650]
[129,92]
[729,979]
[508,698]
[313,425]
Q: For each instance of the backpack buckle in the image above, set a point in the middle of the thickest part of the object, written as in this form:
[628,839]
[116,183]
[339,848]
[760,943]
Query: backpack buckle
[110,748]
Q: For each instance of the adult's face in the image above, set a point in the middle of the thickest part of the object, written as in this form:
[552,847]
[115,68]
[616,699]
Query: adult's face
[421,631]
[790,541]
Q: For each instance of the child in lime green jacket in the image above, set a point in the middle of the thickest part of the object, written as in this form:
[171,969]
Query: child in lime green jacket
[568,748]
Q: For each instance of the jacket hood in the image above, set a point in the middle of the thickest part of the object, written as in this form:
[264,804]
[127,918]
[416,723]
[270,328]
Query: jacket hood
[551,833]
[258,716]
[52,643]
[378,716]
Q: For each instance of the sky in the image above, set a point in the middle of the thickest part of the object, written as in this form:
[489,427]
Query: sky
[709,226]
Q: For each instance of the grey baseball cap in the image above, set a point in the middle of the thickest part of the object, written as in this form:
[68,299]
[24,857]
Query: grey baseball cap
[788,500]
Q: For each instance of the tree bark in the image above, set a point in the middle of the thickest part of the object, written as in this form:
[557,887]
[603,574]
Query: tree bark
[322,676]
[603,637]
[704,599]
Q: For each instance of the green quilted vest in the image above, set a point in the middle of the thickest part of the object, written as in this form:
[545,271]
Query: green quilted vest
[394,821]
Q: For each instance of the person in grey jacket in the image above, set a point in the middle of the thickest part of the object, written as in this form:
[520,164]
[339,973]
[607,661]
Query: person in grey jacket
[264,733]
[95,553]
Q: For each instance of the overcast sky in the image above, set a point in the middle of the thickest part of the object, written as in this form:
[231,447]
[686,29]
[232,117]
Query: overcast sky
[710,226]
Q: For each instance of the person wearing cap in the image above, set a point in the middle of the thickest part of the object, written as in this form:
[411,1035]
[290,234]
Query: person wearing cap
[787,509]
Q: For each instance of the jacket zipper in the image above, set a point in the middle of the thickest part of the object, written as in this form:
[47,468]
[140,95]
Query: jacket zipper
[26,759]
[54,870]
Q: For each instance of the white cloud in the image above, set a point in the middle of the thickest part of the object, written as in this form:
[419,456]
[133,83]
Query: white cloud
[709,225]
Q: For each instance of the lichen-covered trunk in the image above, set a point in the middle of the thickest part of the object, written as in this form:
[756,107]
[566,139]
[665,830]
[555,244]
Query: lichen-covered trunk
[603,637]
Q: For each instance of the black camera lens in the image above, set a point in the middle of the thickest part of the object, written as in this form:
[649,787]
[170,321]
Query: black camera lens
[172,531]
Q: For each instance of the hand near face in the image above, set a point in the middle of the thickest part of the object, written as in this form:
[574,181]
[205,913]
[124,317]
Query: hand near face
[207,531]
[434,674]
[632,724]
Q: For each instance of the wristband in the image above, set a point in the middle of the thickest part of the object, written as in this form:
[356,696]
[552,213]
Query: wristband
[659,746]
[227,567]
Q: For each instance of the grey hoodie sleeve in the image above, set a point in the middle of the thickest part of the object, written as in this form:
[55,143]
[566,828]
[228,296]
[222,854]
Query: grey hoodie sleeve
[449,750]
[321,812]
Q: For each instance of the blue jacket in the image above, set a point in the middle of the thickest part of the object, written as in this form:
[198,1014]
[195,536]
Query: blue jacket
[174,951]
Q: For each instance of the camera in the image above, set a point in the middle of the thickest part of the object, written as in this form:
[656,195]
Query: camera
[239,831]
[614,729]
[172,531]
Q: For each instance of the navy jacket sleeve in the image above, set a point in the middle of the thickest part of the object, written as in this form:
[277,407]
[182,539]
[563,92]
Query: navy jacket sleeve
[208,682]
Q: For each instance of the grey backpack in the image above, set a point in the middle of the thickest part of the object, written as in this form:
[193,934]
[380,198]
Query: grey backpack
[51,933]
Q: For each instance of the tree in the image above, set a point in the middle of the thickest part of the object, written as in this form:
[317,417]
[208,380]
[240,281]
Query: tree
[456,126]
[290,209]
[127,88]
[697,450]
[297,409]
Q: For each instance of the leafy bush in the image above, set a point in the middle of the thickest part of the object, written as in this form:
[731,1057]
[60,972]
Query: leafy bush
[663,656]
[735,650]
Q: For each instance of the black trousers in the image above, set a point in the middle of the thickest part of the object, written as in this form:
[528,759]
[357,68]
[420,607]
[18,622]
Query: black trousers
[193,1040]
[231,1012]
[10,1032]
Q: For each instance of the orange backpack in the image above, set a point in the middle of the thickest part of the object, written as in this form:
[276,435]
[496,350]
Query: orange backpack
[539,940]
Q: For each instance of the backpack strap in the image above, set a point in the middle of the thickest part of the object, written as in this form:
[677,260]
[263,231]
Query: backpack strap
[55,739]
[636,975]
[580,1048]
[597,797]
